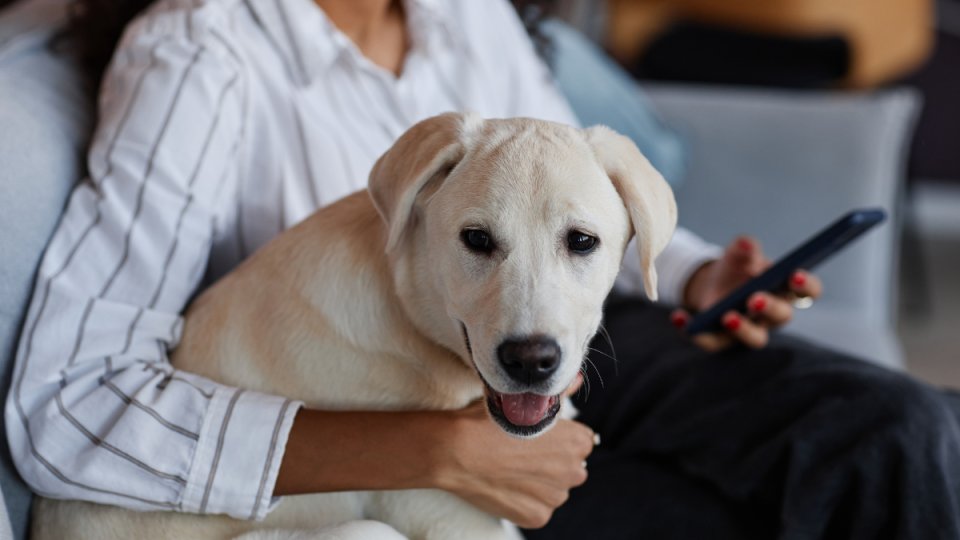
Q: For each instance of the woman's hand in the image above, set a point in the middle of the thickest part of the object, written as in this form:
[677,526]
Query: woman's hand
[463,452]
[743,260]
[521,480]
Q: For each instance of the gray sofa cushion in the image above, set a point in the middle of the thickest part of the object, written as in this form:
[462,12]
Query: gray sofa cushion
[781,165]
[45,119]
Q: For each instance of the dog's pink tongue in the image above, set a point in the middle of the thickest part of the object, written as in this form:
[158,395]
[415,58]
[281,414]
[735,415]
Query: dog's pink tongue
[525,409]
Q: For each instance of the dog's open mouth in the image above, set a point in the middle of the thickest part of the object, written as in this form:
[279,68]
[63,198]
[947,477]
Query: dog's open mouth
[523,415]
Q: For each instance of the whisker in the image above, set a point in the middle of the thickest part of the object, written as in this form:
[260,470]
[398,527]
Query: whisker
[595,369]
[595,365]
[586,382]
[598,351]
[612,349]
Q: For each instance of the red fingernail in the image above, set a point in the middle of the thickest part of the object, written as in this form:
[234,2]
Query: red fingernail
[759,304]
[798,279]
[679,320]
[744,245]
[732,323]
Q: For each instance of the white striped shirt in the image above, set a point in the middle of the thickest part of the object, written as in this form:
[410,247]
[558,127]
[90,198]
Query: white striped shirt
[223,122]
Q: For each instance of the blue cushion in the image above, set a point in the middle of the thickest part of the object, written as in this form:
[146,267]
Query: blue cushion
[45,120]
[601,92]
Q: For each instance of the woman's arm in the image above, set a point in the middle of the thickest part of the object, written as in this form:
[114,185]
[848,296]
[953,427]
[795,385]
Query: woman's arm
[96,411]
[462,452]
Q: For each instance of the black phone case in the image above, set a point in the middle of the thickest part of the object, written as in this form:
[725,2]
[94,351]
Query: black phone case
[806,257]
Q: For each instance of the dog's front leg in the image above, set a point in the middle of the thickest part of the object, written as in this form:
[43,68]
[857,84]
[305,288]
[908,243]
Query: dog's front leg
[431,514]
[350,530]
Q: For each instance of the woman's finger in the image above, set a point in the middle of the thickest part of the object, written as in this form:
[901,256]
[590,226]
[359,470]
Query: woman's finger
[747,253]
[769,310]
[680,318]
[708,341]
[805,284]
[711,341]
[574,386]
[739,328]
[752,335]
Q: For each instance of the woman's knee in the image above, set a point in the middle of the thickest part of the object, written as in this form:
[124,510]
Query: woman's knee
[905,407]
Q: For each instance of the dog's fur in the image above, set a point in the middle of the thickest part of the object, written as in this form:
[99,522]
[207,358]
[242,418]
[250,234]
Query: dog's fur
[376,303]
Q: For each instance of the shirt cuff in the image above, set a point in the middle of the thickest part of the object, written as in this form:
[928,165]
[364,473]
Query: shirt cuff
[685,253]
[238,455]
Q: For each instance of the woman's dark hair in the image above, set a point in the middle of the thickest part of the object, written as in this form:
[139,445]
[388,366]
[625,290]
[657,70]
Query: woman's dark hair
[96,26]
[532,13]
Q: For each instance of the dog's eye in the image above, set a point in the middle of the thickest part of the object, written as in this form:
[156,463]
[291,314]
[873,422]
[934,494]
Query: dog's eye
[477,240]
[579,242]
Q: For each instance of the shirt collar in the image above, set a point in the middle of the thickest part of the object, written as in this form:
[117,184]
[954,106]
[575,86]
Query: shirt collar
[310,43]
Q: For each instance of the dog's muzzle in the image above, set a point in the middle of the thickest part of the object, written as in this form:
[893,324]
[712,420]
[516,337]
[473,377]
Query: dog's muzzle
[528,361]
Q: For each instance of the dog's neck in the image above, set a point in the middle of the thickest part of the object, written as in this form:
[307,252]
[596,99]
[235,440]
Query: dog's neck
[394,298]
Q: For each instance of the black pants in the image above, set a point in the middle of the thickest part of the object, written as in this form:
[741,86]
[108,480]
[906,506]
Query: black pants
[790,442]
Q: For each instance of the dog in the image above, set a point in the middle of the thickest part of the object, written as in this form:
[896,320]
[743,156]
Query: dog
[474,267]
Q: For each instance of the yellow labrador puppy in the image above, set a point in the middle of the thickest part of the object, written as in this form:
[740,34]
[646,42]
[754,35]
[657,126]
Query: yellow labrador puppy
[475,266]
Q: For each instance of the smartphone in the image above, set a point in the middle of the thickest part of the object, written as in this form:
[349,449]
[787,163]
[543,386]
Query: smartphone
[806,257]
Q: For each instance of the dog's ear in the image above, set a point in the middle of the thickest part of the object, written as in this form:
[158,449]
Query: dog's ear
[647,196]
[427,151]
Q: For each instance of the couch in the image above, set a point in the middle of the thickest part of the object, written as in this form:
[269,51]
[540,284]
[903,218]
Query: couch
[777,164]
[45,120]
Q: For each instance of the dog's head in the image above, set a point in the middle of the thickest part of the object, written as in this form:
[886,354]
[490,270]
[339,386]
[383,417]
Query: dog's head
[505,236]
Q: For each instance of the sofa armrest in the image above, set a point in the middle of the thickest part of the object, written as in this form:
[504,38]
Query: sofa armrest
[45,121]
[781,165]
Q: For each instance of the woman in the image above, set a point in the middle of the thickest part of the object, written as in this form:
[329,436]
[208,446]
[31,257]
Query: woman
[224,122]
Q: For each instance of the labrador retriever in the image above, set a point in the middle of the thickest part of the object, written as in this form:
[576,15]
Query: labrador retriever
[474,267]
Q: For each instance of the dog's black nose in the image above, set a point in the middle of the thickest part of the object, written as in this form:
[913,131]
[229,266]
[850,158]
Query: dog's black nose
[529,360]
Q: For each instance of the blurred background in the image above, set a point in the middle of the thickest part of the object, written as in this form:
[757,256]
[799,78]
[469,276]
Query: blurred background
[822,105]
